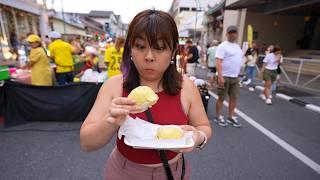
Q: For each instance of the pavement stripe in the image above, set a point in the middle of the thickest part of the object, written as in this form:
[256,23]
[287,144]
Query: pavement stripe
[313,107]
[307,105]
[299,155]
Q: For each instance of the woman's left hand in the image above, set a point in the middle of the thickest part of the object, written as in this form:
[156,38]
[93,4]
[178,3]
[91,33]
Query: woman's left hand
[197,138]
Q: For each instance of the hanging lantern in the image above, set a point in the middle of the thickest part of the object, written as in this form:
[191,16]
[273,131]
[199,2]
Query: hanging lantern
[306,18]
[275,23]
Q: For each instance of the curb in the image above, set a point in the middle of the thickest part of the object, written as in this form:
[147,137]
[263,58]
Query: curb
[306,105]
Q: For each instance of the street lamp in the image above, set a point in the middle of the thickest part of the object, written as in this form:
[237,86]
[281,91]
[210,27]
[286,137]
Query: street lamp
[198,8]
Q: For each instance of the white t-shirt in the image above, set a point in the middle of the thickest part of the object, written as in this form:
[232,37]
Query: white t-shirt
[271,61]
[232,58]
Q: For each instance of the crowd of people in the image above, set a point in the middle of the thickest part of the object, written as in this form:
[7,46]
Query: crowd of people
[150,58]
[226,61]
[54,61]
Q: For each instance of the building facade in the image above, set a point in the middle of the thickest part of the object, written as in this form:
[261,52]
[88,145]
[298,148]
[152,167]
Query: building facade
[294,25]
[17,19]
[111,22]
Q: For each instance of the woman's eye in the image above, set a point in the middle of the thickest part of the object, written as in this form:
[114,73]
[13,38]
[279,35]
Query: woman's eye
[160,48]
[139,46]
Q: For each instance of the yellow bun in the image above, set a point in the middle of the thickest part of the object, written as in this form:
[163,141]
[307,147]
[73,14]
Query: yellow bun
[169,133]
[144,96]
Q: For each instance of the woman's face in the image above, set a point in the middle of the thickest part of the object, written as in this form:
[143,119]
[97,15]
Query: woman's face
[151,62]
[278,53]
[34,44]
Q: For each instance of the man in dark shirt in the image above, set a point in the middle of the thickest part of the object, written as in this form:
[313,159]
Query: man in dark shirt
[192,58]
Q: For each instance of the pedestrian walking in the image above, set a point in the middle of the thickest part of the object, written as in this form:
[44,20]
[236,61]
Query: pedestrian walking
[61,52]
[149,59]
[269,72]
[252,56]
[229,59]
[192,58]
[211,60]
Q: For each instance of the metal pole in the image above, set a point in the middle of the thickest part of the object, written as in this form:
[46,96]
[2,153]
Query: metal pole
[299,72]
[313,79]
[64,23]
[195,25]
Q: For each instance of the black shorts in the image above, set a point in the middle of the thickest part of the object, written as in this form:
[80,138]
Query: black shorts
[279,70]
[212,69]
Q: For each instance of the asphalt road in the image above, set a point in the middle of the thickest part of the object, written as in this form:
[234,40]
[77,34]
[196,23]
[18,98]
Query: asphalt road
[233,153]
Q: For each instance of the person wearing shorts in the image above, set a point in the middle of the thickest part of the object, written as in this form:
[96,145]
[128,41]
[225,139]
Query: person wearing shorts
[211,60]
[269,72]
[229,58]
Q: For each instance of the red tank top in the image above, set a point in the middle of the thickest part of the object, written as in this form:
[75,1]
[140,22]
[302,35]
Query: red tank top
[167,111]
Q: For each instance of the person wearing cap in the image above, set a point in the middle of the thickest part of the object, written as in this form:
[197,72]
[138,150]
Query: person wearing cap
[113,57]
[41,72]
[229,58]
[61,52]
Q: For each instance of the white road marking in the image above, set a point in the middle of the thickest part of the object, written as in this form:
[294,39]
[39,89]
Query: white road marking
[305,159]
[313,107]
[283,96]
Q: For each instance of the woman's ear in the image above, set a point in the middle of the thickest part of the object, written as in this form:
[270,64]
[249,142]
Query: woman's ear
[174,52]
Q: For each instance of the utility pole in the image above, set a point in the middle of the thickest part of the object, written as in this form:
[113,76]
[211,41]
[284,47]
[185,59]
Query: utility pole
[64,21]
[198,8]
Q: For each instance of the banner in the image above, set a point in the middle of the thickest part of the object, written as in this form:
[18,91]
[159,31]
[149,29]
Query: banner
[250,35]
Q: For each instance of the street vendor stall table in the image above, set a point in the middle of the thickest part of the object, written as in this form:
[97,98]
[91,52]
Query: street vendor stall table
[22,103]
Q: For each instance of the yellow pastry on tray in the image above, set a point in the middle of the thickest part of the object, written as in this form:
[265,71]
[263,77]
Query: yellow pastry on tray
[144,97]
[169,132]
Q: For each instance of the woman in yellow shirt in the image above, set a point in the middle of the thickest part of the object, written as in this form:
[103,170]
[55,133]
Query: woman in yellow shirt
[41,73]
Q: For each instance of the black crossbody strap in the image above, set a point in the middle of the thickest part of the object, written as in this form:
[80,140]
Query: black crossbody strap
[165,163]
[149,116]
[183,172]
[162,153]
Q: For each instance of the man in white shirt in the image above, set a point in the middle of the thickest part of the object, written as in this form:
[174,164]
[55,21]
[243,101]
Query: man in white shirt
[229,58]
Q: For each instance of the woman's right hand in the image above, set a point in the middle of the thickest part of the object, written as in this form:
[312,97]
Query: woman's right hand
[119,109]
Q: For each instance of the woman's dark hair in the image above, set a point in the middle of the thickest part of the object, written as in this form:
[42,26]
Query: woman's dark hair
[154,25]
[276,48]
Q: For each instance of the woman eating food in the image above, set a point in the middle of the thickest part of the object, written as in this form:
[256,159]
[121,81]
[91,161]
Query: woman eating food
[149,60]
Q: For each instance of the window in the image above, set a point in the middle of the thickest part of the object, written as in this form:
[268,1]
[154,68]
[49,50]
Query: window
[184,9]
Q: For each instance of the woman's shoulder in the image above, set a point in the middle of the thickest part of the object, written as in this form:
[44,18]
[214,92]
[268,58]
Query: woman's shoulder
[188,88]
[113,85]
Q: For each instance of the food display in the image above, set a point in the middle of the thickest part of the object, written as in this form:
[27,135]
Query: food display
[169,132]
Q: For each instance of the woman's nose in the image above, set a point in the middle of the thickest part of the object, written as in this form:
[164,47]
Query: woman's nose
[149,56]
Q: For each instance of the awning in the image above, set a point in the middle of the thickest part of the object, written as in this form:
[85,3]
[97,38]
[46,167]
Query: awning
[239,4]
[30,7]
[216,8]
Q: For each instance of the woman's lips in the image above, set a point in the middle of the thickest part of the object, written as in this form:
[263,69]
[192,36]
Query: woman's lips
[148,69]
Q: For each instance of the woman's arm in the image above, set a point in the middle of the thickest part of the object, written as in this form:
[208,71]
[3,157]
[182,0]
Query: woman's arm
[219,71]
[196,112]
[96,132]
[107,114]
